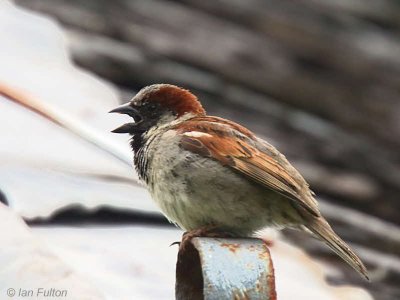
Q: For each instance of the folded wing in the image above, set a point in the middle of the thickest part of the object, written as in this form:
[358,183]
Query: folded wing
[236,147]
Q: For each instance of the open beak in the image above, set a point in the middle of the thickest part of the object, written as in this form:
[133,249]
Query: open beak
[127,109]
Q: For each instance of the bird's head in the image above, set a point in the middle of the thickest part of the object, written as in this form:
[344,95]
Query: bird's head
[156,105]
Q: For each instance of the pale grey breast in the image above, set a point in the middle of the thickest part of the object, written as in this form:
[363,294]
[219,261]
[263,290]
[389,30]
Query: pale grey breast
[195,191]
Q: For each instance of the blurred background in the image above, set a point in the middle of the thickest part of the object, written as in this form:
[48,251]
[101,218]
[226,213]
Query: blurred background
[318,79]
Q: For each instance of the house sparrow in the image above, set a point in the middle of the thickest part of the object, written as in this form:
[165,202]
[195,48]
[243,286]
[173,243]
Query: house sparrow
[210,173]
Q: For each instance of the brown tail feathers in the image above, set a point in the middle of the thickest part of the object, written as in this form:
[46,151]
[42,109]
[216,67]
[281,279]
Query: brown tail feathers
[322,230]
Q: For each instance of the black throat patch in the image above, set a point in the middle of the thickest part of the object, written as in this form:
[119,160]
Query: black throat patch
[138,145]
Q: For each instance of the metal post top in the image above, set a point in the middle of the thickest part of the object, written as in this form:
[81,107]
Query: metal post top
[225,268]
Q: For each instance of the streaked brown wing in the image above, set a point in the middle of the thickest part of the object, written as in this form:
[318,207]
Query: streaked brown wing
[234,151]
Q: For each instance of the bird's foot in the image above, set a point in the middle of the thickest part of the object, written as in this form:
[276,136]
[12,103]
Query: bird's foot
[207,231]
[268,242]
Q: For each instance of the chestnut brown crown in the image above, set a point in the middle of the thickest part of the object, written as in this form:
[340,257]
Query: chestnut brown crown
[176,99]
[157,104]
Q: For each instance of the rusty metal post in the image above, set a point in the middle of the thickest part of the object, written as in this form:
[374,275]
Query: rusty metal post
[225,268]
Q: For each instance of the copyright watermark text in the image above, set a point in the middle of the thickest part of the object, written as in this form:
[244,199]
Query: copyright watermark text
[36,293]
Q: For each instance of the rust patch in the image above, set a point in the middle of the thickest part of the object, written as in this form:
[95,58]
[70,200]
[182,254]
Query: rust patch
[252,248]
[239,295]
[271,280]
[264,255]
[258,286]
[250,266]
[261,287]
[210,286]
[232,247]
